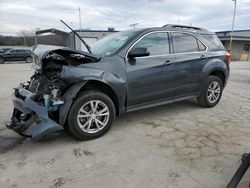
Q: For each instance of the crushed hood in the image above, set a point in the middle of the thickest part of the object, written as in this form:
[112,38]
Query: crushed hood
[41,51]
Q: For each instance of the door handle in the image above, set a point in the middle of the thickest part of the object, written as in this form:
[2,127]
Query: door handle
[168,63]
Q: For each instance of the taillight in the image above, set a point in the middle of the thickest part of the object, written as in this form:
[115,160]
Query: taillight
[228,57]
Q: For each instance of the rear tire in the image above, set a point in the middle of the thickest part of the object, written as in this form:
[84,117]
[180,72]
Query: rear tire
[211,92]
[2,60]
[91,115]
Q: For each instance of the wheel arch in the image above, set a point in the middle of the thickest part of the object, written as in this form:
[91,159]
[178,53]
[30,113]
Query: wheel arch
[220,74]
[217,67]
[75,89]
[102,87]
[1,57]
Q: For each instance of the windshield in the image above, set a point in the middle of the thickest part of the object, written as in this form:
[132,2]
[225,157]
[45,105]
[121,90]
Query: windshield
[3,50]
[112,43]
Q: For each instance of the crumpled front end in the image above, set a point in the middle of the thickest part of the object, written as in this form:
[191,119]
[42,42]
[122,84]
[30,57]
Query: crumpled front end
[37,103]
[31,119]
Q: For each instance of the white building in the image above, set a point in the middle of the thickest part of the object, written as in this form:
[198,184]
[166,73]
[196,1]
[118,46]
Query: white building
[240,45]
[89,36]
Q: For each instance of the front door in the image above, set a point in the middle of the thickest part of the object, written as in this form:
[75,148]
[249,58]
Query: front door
[11,55]
[150,79]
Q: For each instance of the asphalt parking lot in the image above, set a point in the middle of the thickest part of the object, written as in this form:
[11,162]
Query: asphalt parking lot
[176,145]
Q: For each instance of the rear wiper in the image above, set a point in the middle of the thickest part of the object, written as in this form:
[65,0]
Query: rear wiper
[85,44]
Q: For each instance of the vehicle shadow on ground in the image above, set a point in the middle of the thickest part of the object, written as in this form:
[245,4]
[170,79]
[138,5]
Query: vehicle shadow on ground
[8,143]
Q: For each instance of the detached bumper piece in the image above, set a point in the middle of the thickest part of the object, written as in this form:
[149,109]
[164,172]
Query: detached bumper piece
[30,119]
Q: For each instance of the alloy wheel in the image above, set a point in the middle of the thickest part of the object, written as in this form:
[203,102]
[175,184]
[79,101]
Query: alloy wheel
[213,92]
[93,116]
[29,60]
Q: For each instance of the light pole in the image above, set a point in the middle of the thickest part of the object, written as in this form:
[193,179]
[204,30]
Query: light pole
[231,38]
[80,22]
[133,25]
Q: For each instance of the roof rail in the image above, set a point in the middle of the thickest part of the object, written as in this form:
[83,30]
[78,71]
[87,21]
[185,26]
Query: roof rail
[181,27]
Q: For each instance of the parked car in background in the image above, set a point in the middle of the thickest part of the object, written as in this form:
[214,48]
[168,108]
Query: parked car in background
[16,55]
[123,72]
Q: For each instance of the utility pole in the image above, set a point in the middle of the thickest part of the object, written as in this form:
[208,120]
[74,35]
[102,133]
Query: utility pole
[232,31]
[80,22]
[24,40]
[133,25]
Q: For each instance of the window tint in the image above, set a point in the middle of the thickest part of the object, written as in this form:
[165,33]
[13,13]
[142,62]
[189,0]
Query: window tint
[201,46]
[156,43]
[20,51]
[212,38]
[185,43]
[13,51]
[23,51]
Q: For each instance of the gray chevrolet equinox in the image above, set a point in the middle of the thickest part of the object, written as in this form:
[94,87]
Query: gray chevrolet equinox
[83,92]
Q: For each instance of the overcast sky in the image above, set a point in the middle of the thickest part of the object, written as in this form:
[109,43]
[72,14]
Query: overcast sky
[215,15]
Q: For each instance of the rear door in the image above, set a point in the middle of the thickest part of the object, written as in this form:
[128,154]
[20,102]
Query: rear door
[151,78]
[20,55]
[190,54]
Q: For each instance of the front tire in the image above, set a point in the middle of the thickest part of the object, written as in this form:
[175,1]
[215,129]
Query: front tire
[91,115]
[2,60]
[211,92]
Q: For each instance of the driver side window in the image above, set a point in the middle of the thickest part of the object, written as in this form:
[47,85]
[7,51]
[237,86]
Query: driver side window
[156,43]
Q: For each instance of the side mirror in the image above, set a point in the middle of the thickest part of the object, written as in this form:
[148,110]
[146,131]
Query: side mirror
[138,52]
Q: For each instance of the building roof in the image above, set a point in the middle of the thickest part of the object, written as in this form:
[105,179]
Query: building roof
[243,30]
[240,35]
[88,30]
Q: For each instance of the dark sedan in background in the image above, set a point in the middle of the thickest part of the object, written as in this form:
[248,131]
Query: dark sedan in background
[16,55]
[3,50]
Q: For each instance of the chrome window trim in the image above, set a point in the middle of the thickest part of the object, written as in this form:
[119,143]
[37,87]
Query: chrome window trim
[138,40]
[168,53]
[197,44]
[152,56]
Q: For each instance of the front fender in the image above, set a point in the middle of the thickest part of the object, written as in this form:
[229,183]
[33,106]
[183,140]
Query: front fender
[74,89]
[107,73]
[69,97]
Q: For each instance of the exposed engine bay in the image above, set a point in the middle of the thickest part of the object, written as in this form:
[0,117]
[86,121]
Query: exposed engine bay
[37,102]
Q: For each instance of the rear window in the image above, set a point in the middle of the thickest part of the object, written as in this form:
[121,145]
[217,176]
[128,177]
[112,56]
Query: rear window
[213,39]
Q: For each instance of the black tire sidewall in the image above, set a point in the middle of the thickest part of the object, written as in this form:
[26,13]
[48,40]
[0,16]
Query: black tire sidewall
[82,98]
[2,60]
[204,99]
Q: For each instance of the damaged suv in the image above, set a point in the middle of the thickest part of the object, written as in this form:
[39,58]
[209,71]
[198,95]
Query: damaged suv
[125,71]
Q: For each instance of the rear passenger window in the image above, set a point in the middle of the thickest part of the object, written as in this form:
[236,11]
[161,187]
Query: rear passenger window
[201,46]
[186,43]
[213,39]
[13,51]
[156,43]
